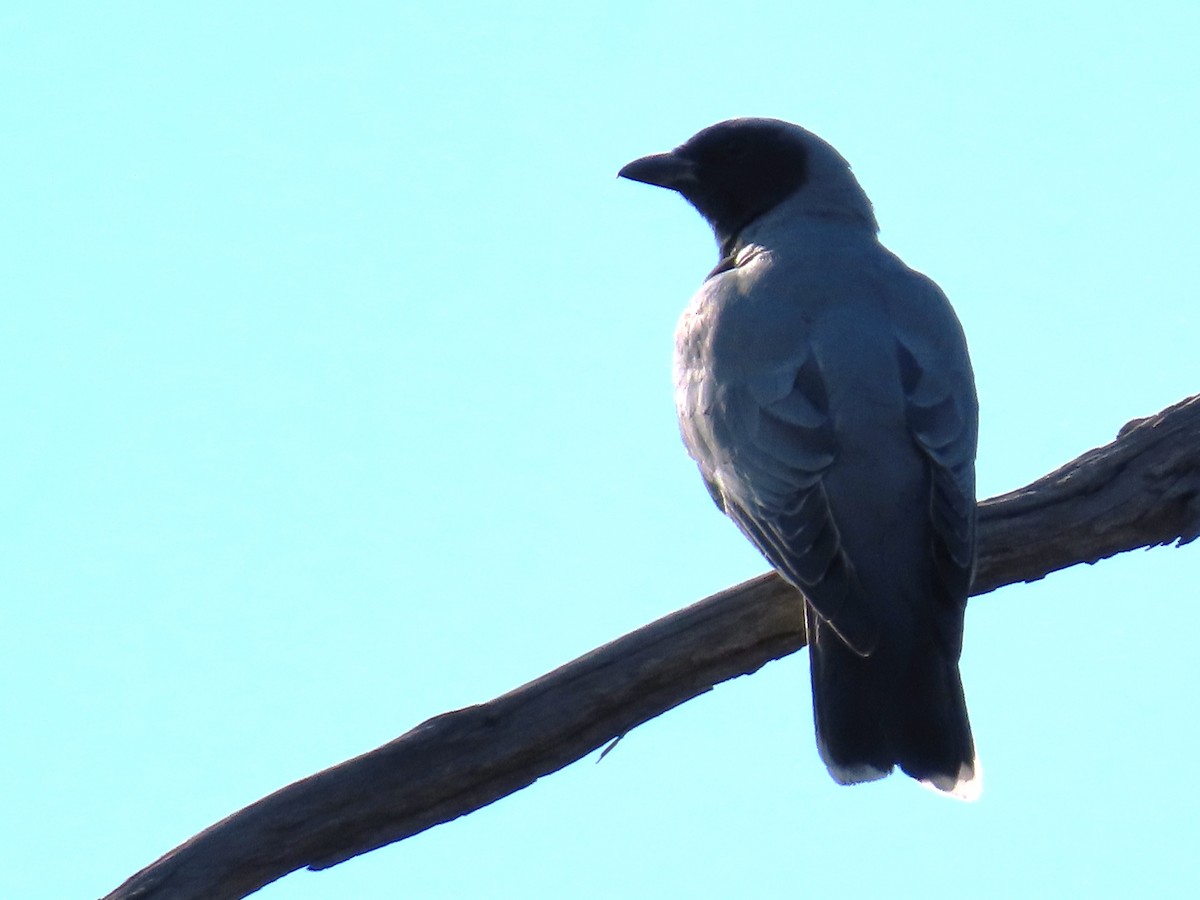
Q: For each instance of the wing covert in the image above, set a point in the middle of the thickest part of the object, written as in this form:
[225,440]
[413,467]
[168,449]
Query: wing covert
[772,488]
[941,414]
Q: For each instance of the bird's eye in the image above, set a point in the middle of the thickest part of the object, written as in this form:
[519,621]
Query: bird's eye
[736,152]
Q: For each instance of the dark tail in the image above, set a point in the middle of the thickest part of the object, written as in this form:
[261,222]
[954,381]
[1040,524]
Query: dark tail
[892,709]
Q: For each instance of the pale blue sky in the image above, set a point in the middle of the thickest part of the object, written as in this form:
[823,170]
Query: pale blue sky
[336,368]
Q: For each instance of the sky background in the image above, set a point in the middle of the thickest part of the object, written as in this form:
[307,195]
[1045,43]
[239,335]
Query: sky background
[336,368]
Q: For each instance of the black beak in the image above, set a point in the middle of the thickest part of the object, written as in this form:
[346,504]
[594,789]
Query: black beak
[662,169]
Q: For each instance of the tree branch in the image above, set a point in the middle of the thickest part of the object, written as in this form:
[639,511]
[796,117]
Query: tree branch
[1142,490]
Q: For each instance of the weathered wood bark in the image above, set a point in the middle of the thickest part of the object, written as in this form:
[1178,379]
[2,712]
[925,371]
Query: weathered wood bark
[1141,490]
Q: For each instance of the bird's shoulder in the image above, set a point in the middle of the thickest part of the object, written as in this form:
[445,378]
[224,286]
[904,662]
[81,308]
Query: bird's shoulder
[778,297]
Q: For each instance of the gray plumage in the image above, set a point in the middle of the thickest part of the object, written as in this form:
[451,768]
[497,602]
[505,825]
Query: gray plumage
[825,392]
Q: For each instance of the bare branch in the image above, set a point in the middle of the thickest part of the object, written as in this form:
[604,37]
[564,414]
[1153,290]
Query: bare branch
[1141,490]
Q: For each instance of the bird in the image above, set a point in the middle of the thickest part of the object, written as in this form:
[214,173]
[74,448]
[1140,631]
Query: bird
[825,392]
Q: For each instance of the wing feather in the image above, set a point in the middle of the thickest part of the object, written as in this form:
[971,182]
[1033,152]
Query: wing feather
[787,447]
[941,415]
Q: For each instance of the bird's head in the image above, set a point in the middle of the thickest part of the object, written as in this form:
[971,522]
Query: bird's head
[735,171]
